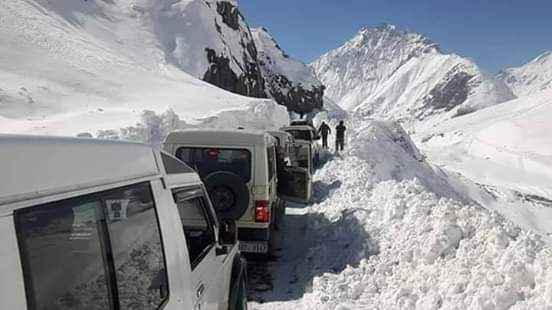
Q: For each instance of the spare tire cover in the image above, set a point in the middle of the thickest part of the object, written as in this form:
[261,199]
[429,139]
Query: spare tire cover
[229,194]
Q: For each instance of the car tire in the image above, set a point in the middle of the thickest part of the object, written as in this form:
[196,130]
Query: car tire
[229,194]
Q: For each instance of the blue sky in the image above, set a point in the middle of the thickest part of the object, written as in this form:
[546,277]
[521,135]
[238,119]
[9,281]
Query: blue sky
[495,33]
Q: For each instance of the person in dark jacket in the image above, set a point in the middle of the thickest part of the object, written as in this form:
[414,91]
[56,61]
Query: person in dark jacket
[324,130]
[340,136]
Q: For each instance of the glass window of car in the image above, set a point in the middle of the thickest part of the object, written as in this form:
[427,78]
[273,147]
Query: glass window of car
[173,165]
[136,248]
[85,253]
[271,160]
[197,225]
[209,160]
[62,256]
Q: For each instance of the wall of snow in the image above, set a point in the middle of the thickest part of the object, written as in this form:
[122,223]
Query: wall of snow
[421,248]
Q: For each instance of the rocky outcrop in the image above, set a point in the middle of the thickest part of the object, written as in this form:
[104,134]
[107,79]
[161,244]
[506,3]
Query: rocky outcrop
[290,82]
[211,40]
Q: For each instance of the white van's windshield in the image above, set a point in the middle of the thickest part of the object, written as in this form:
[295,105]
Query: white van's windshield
[209,160]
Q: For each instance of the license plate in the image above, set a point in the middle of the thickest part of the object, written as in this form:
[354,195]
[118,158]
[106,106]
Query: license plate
[253,247]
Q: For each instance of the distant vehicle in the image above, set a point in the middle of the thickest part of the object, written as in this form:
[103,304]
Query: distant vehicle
[110,225]
[309,134]
[240,171]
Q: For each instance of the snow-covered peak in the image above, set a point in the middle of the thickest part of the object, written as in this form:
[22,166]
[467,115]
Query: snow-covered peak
[289,81]
[386,37]
[386,72]
[530,78]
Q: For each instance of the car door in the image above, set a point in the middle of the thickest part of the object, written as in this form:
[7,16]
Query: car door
[201,242]
[295,183]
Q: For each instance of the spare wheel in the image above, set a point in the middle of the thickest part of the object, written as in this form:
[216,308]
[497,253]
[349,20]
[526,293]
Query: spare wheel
[228,193]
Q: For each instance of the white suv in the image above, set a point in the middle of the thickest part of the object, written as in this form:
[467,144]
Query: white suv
[240,170]
[308,134]
[91,224]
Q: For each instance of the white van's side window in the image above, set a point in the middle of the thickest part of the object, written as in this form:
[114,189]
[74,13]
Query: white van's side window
[197,224]
[99,251]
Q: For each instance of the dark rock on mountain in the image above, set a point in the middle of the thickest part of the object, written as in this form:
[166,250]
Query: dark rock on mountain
[288,81]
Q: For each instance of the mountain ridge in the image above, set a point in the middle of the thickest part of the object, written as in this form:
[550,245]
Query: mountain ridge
[529,78]
[389,73]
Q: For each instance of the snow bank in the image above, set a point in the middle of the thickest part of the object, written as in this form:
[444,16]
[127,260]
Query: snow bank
[421,250]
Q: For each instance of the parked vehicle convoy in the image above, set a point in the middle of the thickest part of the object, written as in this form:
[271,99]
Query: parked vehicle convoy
[96,224]
[309,134]
[240,170]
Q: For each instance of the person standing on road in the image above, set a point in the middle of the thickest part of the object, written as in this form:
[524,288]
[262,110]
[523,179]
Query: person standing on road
[324,130]
[340,136]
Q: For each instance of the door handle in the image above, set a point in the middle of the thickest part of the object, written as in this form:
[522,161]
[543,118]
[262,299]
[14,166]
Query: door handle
[200,291]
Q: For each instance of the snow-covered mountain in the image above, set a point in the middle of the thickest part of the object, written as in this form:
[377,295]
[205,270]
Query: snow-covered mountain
[84,66]
[208,39]
[288,81]
[389,73]
[530,78]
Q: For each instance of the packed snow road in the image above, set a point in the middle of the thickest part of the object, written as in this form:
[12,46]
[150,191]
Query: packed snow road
[390,231]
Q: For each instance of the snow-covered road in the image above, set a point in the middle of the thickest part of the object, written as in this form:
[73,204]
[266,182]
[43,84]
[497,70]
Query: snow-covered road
[389,231]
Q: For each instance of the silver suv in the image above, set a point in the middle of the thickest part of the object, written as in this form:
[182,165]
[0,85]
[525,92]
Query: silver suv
[244,177]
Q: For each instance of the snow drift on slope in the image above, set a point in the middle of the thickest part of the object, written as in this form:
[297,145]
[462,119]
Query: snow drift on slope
[508,145]
[82,66]
[420,250]
[530,78]
[288,81]
[387,73]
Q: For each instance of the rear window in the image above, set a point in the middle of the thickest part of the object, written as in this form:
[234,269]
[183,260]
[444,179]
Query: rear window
[300,134]
[209,160]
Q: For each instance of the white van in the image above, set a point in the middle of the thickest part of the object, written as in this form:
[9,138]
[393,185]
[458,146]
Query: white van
[92,224]
[240,170]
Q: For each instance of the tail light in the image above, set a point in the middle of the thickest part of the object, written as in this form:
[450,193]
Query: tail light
[261,211]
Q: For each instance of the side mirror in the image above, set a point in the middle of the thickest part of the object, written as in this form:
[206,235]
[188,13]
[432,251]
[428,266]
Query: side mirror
[228,233]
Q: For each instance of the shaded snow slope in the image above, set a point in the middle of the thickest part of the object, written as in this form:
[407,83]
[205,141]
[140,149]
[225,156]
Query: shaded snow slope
[530,78]
[387,73]
[379,238]
[84,66]
[288,81]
